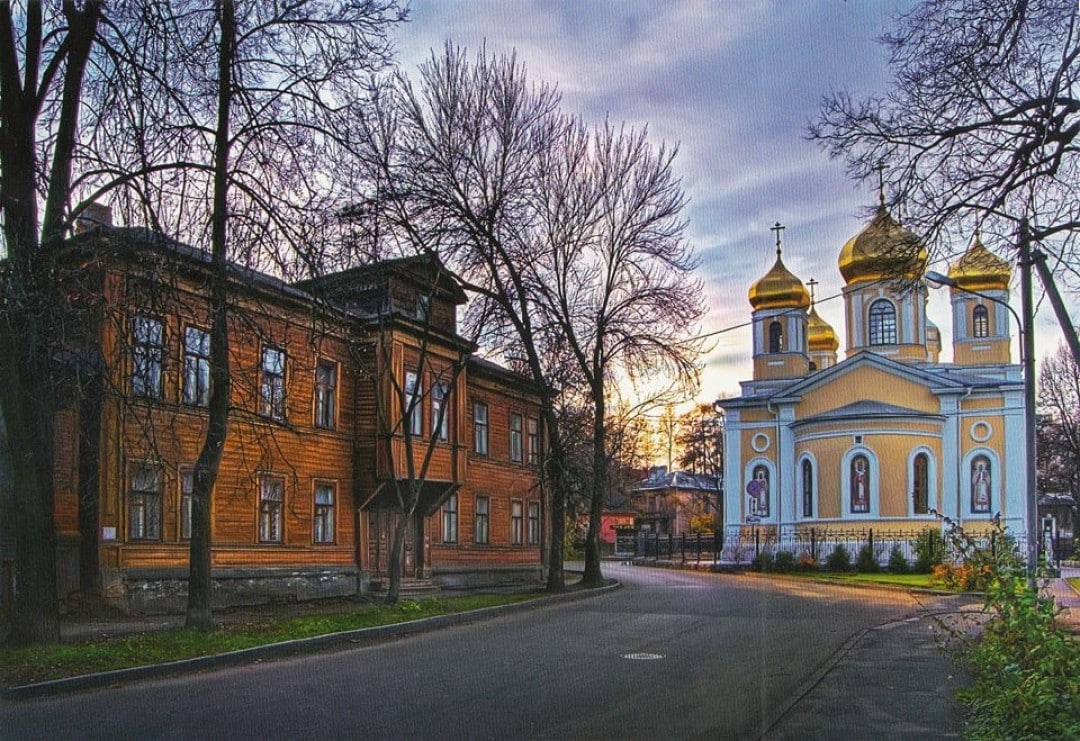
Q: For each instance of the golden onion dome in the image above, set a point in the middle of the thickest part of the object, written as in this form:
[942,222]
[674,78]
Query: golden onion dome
[819,334]
[979,269]
[883,250]
[779,289]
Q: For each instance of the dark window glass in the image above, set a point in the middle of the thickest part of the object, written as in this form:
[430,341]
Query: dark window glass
[273,383]
[147,357]
[776,337]
[482,520]
[882,323]
[325,394]
[144,504]
[196,367]
[980,322]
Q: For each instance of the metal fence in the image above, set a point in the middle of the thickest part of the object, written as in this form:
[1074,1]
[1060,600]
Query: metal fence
[813,544]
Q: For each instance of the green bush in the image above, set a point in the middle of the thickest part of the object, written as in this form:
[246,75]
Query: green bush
[785,562]
[1025,668]
[762,562]
[865,562]
[929,551]
[897,563]
[839,559]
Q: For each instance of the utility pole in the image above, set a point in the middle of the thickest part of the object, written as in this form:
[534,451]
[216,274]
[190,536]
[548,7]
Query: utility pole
[1028,312]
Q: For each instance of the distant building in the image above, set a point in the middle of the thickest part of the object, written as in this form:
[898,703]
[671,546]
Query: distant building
[304,503]
[887,436]
[678,503]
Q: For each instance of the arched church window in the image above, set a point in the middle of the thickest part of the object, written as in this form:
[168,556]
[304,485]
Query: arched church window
[980,322]
[882,323]
[860,485]
[776,337]
[980,485]
[807,489]
[921,484]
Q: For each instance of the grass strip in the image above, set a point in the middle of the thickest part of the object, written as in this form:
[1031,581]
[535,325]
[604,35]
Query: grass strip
[912,581]
[28,664]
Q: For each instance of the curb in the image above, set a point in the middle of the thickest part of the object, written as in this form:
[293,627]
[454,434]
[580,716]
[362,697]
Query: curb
[285,649]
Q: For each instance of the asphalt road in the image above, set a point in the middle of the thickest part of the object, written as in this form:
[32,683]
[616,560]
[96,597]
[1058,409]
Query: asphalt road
[672,654]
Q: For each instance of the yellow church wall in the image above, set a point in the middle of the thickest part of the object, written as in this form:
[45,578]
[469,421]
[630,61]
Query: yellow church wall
[757,415]
[867,383]
[892,453]
[981,402]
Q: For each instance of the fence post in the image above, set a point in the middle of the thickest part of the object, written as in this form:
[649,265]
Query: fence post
[813,543]
[682,547]
[698,559]
[757,543]
[670,547]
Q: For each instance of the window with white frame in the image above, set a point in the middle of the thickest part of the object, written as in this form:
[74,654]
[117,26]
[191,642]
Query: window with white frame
[482,515]
[187,491]
[440,413]
[272,396]
[480,428]
[532,433]
[980,322]
[882,323]
[807,488]
[515,437]
[517,522]
[271,505]
[196,367]
[450,519]
[148,356]
[534,523]
[323,523]
[326,373]
[144,503]
[920,481]
[413,410]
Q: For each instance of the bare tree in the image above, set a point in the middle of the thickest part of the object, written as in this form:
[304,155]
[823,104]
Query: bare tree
[455,158]
[615,275]
[979,128]
[225,127]
[1058,444]
[43,59]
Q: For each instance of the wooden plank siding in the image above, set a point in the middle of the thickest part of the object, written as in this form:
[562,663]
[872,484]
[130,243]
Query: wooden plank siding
[166,434]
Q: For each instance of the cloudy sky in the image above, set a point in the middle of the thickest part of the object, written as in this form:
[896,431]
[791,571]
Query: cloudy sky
[734,84]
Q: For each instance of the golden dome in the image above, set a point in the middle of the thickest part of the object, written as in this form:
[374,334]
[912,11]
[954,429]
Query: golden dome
[980,269]
[820,336]
[883,250]
[779,289]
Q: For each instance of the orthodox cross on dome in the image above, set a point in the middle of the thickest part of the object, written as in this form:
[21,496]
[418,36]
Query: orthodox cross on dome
[777,228]
[880,167]
[812,283]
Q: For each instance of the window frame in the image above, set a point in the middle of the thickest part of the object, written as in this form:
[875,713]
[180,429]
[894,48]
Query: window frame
[147,354]
[324,512]
[807,482]
[517,522]
[450,519]
[532,439]
[326,394]
[414,409]
[881,323]
[272,395]
[268,508]
[440,395]
[185,508]
[516,449]
[481,429]
[147,508]
[534,523]
[776,336]
[920,478]
[482,520]
[980,322]
[195,359]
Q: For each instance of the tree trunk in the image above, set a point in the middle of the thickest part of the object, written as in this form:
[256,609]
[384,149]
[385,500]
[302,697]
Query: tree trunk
[397,549]
[199,614]
[592,576]
[556,579]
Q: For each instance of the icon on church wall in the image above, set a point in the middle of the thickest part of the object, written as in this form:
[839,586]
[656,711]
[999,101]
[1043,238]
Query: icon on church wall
[860,485]
[757,495]
[980,485]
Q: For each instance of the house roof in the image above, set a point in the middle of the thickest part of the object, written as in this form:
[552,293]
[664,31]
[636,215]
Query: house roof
[867,410]
[679,480]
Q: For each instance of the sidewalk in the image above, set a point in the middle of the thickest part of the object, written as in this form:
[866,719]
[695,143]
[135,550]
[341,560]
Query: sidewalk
[1067,598]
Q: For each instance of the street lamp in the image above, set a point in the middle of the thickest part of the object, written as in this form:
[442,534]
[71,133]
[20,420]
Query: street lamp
[1027,358]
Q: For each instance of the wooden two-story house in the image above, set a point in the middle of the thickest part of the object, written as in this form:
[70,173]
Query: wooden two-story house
[336,381]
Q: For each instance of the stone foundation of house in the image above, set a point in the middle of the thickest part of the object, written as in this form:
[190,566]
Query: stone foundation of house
[164,591]
[521,576]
